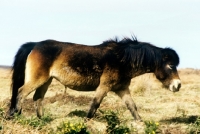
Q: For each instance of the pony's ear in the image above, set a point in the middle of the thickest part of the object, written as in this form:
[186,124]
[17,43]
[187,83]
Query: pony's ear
[165,55]
[169,55]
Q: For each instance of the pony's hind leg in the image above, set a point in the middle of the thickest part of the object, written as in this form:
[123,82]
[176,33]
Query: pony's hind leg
[39,96]
[26,89]
[126,97]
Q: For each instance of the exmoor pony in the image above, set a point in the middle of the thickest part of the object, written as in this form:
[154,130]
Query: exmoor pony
[109,66]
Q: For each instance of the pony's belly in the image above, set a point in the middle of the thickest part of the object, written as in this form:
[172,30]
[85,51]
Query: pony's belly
[82,84]
[82,87]
[74,80]
[79,83]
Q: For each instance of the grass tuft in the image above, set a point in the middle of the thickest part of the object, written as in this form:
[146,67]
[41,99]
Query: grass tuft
[151,127]
[34,122]
[71,128]
[113,123]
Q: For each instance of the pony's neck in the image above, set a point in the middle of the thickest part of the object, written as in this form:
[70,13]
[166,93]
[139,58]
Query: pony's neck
[139,71]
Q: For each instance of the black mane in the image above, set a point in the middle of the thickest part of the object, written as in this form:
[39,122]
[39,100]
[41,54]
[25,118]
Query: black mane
[136,54]
[123,41]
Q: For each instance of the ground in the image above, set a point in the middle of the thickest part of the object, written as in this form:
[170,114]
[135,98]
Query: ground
[175,113]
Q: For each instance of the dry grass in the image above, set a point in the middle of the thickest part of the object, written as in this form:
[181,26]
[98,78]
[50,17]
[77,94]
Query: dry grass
[174,111]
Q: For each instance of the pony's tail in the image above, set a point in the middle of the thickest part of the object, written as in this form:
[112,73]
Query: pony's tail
[18,74]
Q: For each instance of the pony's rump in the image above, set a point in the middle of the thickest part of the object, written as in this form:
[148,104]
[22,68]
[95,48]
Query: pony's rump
[18,69]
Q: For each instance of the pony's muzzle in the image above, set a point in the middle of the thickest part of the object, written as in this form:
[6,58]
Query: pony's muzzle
[175,85]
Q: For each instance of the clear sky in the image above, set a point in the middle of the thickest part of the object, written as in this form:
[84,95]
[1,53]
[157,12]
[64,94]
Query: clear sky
[164,23]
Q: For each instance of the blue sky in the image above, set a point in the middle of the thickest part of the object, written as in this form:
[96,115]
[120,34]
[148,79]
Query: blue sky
[165,23]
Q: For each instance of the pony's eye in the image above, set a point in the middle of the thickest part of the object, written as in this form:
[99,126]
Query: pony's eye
[170,66]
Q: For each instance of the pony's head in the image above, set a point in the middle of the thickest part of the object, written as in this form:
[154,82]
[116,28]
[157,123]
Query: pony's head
[167,71]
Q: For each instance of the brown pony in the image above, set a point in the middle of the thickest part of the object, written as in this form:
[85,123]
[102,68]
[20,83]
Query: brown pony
[109,66]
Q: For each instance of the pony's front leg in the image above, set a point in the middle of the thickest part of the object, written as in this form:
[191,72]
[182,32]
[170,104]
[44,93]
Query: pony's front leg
[126,97]
[100,94]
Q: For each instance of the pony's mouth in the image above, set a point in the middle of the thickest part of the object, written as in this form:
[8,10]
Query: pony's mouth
[175,85]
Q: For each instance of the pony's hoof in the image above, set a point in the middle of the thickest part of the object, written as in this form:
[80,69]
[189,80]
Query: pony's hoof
[11,113]
[9,116]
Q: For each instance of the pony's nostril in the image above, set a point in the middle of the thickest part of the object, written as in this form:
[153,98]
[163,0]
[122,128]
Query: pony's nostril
[179,86]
